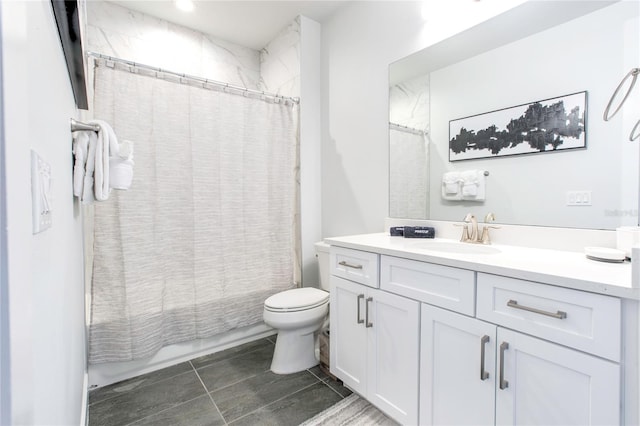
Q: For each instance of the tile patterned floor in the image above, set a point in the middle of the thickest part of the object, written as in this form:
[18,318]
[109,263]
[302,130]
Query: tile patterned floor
[232,387]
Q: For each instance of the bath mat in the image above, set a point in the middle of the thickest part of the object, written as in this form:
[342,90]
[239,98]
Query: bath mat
[353,411]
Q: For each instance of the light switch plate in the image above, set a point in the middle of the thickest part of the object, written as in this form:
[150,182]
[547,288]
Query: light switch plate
[40,193]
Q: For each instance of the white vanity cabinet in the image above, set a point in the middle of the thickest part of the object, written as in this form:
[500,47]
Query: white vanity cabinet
[542,383]
[508,378]
[457,369]
[485,349]
[374,338]
[525,379]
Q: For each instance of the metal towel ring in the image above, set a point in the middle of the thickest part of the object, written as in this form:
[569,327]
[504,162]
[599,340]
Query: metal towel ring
[634,74]
[635,132]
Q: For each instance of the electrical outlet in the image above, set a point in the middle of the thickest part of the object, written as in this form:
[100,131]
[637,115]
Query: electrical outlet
[579,198]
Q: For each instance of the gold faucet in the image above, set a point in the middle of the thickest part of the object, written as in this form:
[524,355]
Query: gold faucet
[484,238]
[469,236]
[472,235]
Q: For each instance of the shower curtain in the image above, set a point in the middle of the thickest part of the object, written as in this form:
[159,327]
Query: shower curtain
[408,173]
[208,229]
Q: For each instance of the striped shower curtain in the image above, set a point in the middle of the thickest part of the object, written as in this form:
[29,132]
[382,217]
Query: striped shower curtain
[408,174]
[208,229]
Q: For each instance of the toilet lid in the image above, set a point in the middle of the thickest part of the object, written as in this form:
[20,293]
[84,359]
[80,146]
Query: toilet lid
[297,299]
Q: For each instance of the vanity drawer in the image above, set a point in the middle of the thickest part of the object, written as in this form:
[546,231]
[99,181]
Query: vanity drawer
[438,285]
[355,265]
[585,321]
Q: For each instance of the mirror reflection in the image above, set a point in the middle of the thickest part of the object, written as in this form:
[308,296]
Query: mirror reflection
[534,52]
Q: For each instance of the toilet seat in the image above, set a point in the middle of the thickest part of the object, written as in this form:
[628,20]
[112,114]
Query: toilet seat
[297,299]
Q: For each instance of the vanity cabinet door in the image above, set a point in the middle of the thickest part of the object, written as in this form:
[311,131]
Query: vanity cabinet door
[393,355]
[546,384]
[457,369]
[374,347]
[348,337]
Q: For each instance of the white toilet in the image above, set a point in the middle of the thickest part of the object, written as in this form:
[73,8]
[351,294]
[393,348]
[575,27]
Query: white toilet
[298,314]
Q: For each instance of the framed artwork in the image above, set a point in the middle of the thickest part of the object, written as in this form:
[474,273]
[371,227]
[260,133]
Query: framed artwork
[542,126]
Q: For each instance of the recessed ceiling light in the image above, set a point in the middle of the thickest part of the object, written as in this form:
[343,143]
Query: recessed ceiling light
[184,5]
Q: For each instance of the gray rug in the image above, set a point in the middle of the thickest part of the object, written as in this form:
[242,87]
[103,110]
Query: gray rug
[352,410]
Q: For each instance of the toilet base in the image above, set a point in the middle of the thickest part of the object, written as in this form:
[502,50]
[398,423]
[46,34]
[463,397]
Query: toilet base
[294,352]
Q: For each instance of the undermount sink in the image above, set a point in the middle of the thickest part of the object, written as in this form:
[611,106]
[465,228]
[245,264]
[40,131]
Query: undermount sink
[454,247]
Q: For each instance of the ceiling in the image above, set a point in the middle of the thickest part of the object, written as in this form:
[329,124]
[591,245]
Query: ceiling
[247,23]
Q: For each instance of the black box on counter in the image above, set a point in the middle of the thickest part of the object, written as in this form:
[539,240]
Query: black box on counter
[396,231]
[419,232]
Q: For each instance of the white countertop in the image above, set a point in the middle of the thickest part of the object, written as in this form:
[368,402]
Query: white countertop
[555,267]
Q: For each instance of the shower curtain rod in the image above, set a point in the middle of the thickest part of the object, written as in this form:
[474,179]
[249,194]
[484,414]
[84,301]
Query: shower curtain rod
[192,78]
[406,128]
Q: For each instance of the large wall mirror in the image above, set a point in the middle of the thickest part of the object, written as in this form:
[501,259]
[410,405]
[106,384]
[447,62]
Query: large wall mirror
[536,51]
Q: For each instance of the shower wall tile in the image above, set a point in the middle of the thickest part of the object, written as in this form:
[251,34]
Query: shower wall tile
[117,31]
[409,103]
[280,62]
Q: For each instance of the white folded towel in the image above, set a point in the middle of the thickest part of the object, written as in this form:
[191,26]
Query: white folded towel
[80,151]
[106,143]
[87,187]
[471,182]
[96,154]
[451,182]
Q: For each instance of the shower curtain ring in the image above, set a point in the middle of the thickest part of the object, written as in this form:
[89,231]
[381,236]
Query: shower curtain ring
[634,75]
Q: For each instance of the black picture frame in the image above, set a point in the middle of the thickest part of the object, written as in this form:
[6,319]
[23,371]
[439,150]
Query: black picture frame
[67,19]
[548,125]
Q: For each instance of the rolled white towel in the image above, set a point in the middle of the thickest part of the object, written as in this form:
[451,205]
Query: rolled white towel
[125,150]
[120,173]
[121,166]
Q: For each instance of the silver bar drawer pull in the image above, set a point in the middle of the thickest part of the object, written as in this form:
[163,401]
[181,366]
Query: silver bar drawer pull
[503,383]
[558,314]
[366,312]
[484,375]
[349,265]
[360,297]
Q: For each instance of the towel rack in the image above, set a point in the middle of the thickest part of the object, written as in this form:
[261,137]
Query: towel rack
[78,125]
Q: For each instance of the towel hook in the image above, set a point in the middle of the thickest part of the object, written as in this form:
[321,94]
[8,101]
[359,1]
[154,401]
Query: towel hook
[633,74]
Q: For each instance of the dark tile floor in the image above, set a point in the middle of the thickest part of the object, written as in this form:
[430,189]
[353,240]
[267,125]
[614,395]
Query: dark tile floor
[232,387]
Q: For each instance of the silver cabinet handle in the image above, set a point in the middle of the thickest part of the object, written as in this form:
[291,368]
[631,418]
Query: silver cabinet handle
[484,375]
[514,304]
[366,313]
[349,265]
[360,297]
[503,383]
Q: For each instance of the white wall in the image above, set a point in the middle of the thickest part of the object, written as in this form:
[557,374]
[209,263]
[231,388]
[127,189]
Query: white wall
[358,43]
[310,153]
[45,283]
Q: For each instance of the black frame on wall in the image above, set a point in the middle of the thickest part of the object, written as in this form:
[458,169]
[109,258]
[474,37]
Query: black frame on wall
[68,22]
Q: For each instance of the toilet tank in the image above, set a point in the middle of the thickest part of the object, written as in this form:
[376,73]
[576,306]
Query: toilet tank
[322,253]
